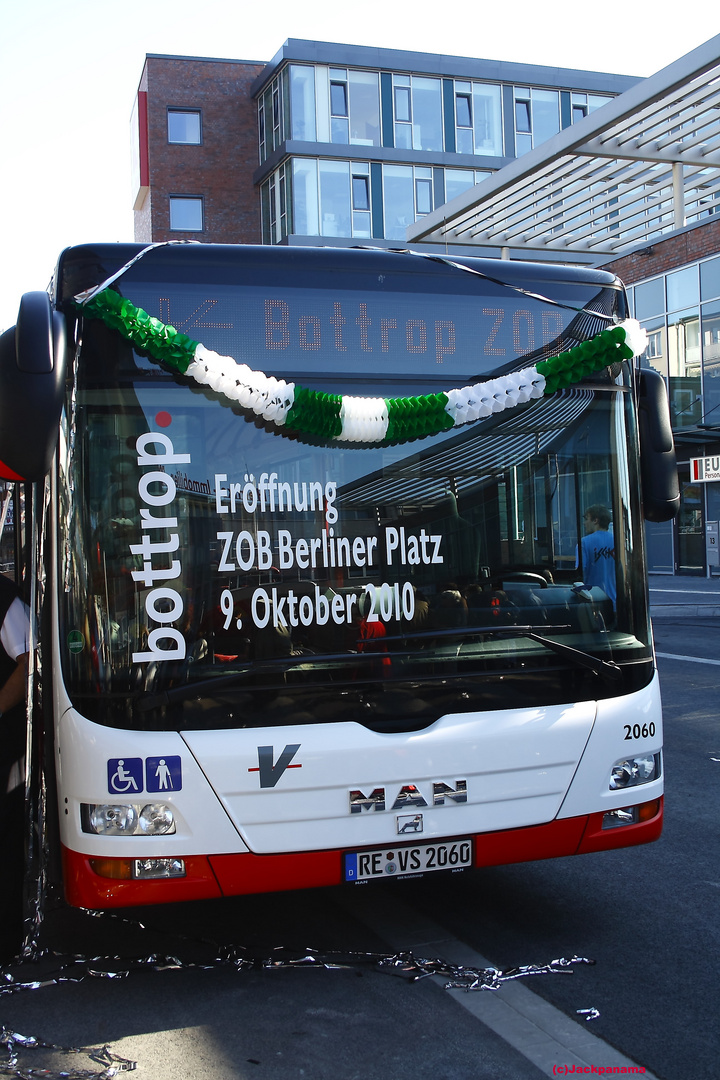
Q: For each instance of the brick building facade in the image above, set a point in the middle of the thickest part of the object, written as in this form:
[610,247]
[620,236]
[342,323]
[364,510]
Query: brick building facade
[218,169]
[690,245]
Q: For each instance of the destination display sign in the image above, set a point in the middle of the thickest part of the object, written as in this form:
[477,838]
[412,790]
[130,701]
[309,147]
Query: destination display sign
[286,330]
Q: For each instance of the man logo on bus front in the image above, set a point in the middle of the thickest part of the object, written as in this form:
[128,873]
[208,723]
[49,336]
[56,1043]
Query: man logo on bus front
[270,772]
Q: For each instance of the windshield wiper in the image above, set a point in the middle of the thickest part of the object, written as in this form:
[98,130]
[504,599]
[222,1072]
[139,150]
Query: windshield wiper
[151,700]
[585,659]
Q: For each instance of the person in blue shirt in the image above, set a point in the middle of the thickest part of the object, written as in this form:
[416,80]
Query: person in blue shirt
[598,551]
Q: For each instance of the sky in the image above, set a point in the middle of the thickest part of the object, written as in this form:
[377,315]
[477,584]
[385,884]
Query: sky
[69,74]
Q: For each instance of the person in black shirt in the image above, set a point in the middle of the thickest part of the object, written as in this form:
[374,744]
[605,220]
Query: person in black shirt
[14,645]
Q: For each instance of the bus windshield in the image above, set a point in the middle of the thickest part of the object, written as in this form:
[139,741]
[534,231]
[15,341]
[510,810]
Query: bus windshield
[218,571]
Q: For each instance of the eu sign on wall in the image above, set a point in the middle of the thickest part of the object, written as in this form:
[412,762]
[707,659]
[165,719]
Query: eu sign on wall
[704,469]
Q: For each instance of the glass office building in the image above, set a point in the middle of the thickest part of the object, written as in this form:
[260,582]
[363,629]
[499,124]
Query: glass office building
[357,143]
[680,310]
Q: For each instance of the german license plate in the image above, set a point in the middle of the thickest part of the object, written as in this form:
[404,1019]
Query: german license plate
[407,861]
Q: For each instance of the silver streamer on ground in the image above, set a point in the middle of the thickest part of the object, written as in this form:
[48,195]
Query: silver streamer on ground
[13,1042]
[39,968]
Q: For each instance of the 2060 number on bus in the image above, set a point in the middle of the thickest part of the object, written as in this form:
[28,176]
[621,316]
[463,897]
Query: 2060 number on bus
[403,861]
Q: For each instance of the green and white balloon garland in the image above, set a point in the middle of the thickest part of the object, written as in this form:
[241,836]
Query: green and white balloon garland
[344,418]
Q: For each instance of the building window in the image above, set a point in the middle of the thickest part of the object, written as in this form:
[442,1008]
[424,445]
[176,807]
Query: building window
[402,99]
[463,110]
[305,197]
[418,112]
[537,117]
[423,195]
[361,224]
[710,279]
[335,198]
[339,118]
[275,205]
[596,101]
[459,180]
[463,118]
[338,105]
[354,99]
[682,288]
[335,219]
[273,119]
[331,198]
[262,133]
[684,366]
[655,356]
[654,349]
[398,199]
[407,195]
[487,120]
[184,126]
[344,198]
[360,193]
[579,107]
[649,298]
[338,99]
[711,360]
[302,103]
[186,213]
[364,108]
[584,104]
[522,112]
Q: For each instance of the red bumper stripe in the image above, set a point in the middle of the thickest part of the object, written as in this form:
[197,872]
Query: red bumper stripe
[210,876]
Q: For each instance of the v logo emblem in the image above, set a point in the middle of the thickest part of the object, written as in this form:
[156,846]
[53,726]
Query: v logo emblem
[270,772]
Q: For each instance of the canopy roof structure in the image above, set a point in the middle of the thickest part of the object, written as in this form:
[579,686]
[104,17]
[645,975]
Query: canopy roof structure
[643,165]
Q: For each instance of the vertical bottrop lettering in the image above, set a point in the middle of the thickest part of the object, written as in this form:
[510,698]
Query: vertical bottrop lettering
[163,604]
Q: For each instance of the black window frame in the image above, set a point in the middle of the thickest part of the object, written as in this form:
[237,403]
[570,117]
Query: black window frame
[364,181]
[186,197]
[176,109]
[338,85]
[467,98]
[523,111]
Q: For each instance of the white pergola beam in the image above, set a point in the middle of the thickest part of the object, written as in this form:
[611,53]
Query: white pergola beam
[587,189]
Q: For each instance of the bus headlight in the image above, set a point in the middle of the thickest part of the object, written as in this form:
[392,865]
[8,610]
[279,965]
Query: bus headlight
[632,771]
[109,819]
[156,819]
[128,819]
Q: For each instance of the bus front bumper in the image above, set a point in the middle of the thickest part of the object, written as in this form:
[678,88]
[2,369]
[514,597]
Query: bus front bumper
[100,883]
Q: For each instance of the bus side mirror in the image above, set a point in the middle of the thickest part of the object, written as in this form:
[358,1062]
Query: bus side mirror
[658,465]
[32,381]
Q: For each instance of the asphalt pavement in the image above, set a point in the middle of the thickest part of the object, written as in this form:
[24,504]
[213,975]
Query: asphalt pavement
[675,597]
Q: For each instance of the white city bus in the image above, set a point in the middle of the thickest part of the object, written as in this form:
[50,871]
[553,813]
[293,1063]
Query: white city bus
[306,546]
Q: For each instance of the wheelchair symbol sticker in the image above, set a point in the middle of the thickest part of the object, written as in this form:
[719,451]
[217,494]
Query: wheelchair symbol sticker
[125,776]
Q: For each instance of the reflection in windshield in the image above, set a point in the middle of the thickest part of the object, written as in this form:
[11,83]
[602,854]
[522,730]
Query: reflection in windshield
[342,582]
